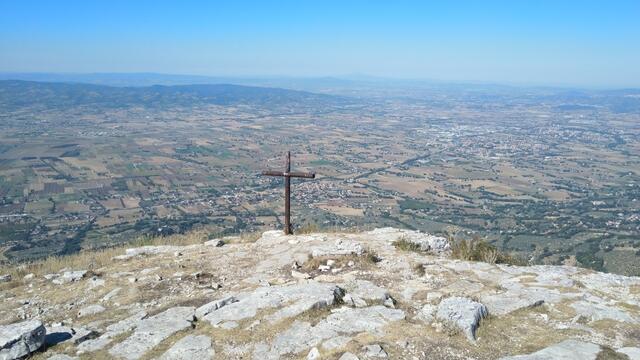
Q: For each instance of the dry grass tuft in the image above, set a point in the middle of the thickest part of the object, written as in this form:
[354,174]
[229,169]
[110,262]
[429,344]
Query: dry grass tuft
[405,245]
[477,249]
[92,259]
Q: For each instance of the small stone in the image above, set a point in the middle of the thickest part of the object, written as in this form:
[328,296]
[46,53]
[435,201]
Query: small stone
[215,285]
[324,268]
[110,294]
[389,303]
[5,278]
[133,279]
[351,263]
[215,242]
[336,270]
[91,310]
[330,262]
[177,253]
[314,354]
[295,265]
[300,275]
[29,276]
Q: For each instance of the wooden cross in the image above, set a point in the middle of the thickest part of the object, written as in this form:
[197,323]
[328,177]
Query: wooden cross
[288,174]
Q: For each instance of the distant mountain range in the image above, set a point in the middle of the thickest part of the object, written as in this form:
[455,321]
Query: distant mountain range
[16,94]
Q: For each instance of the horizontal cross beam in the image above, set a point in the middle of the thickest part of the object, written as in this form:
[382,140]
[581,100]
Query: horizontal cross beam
[296,174]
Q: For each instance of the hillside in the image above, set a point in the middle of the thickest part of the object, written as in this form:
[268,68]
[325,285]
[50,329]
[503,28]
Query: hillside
[19,94]
[316,296]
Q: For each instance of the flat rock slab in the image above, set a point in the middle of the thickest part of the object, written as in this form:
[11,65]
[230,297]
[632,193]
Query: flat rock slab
[291,300]
[367,290]
[113,330]
[62,357]
[429,243]
[463,313]
[302,335]
[151,331]
[21,339]
[190,347]
[339,247]
[566,350]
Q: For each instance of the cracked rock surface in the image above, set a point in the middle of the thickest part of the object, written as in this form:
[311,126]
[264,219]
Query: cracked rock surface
[319,296]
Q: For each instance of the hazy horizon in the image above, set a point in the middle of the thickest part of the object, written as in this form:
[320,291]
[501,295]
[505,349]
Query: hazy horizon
[577,44]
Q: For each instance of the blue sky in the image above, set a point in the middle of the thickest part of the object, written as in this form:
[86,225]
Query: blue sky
[587,43]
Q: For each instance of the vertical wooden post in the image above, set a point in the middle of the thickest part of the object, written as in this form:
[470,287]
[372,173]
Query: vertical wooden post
[287,196]
[287,175]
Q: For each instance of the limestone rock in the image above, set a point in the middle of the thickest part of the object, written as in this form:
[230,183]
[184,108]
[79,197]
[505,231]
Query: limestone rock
[69,276]
[213,306]
[59,334]
[214,242]
[91,310]
[463,313]
[600,311]
[314,354]
[151,331]
[367,290]
[632,352]
[62,357]
[21,339]
[302,335]
[568,349]
[190,347]
[290,299]
[339,247]
[429,243]
[348,356]
[374,351]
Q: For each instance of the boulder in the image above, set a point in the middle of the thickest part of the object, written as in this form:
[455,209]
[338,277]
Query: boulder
[190,347]
[462,313]
[21,339]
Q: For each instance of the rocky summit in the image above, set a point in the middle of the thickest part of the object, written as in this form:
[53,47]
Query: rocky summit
[317,296]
